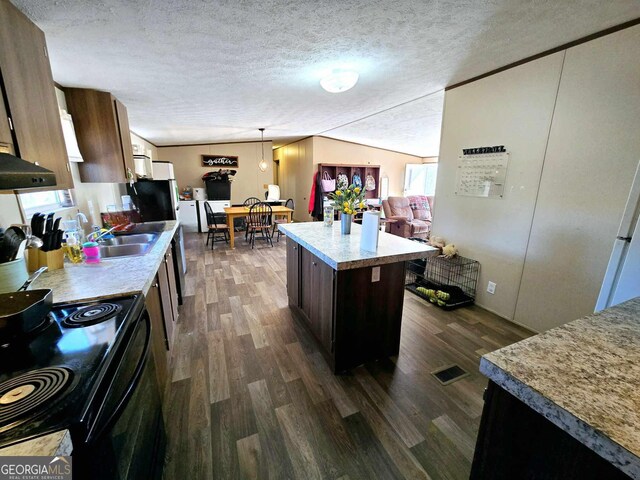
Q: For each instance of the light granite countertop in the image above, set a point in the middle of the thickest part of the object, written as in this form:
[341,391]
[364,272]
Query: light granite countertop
[111,277]
[585,378]
[74,283]
[342,252]
[54,444]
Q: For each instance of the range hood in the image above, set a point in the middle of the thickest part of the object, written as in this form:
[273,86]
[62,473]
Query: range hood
[16,173]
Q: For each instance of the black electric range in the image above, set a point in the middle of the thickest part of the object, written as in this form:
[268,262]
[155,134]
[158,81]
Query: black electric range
[85,369]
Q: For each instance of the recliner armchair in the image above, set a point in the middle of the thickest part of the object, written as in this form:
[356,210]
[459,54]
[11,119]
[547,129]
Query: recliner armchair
[410,216]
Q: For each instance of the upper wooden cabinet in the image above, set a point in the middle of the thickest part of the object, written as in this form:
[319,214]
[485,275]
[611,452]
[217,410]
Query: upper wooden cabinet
[102,129]
[30,95]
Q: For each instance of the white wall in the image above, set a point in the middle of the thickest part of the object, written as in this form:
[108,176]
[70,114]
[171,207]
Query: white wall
[593,152]
[148,146]
[9,210]
[249,181]
[513,108]
[547,242]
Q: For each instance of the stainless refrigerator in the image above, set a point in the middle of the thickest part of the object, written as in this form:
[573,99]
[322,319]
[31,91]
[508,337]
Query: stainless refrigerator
[622,278]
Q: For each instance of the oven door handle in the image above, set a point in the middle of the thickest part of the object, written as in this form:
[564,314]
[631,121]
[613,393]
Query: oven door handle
[135,380]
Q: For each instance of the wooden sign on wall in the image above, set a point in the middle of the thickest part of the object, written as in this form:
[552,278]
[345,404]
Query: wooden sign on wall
[219,161]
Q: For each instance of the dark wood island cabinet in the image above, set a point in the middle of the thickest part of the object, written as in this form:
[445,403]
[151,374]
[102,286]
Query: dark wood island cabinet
[564,404]
[350,300]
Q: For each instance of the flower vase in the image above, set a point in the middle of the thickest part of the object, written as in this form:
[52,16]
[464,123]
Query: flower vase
[345,225]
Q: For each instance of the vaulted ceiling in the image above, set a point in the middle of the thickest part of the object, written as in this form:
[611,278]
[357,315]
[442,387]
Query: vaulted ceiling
[204,71]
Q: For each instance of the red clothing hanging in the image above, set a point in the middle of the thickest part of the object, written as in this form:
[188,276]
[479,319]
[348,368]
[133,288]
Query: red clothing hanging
[312,195]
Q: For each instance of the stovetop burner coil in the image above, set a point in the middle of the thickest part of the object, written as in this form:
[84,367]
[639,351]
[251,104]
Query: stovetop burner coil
[27,392]
[91,315]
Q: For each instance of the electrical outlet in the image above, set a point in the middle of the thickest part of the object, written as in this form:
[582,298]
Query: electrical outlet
[375,274]
[491,288]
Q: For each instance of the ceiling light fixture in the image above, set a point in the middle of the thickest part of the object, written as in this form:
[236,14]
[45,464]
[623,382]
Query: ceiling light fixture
[263,164]
[339,81]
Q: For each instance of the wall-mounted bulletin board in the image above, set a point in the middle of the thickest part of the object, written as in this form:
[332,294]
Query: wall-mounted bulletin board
[482,175]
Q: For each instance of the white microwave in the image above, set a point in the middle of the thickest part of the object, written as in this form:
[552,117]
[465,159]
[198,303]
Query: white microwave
[163,171]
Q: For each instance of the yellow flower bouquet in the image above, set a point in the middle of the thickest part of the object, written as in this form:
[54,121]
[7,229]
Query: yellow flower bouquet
[348,200]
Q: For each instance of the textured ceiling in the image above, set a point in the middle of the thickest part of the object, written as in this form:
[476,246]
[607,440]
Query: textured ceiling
[198,71]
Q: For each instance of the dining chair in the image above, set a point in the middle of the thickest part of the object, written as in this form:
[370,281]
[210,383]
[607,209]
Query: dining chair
[260,221]
[247,203]
[282,219]
[216,226]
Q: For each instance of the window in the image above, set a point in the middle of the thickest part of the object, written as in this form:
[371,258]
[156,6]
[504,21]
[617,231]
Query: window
[45,201]
[420,179]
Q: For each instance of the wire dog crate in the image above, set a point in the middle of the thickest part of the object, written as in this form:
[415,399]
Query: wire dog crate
[456,277]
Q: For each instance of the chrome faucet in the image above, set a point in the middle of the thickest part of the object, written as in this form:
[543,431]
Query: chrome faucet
[81,218]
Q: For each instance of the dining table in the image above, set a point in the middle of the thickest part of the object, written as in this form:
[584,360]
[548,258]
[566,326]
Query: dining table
[240,212]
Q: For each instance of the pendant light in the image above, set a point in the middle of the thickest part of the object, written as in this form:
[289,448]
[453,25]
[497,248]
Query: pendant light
[263,164]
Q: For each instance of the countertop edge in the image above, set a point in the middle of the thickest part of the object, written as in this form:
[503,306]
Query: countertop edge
[348,265]
[592,438]
[60,441]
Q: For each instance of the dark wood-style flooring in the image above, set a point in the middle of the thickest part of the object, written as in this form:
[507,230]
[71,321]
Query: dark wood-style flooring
[252,397]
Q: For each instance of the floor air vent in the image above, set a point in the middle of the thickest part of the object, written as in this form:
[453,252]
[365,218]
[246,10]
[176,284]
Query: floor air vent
[449,374]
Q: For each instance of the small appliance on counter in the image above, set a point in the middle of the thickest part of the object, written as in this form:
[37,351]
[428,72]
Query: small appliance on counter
[199,194]
[86,368]
[163,170]
[143,166]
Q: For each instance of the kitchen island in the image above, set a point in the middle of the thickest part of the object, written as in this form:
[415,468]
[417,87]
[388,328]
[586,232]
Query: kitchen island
[350,299]
[565,403]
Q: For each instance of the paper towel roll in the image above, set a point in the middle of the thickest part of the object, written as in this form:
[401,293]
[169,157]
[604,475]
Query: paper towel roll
[370,231]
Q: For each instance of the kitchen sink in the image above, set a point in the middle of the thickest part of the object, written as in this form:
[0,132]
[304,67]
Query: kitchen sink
[137,240]
[147,227]
[131,239]
[110,251]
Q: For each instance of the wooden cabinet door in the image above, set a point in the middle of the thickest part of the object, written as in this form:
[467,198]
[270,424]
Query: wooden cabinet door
[322,312]
[293,272]
[30,93]
[306,282]
[158,338]
[165,301]
[100,121]
[125,136]
[173,289]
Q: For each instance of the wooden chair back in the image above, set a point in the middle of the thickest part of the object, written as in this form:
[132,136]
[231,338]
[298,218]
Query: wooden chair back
[260,215]
[251,201]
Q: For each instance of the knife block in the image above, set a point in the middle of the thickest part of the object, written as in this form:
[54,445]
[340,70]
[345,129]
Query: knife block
[53,259]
